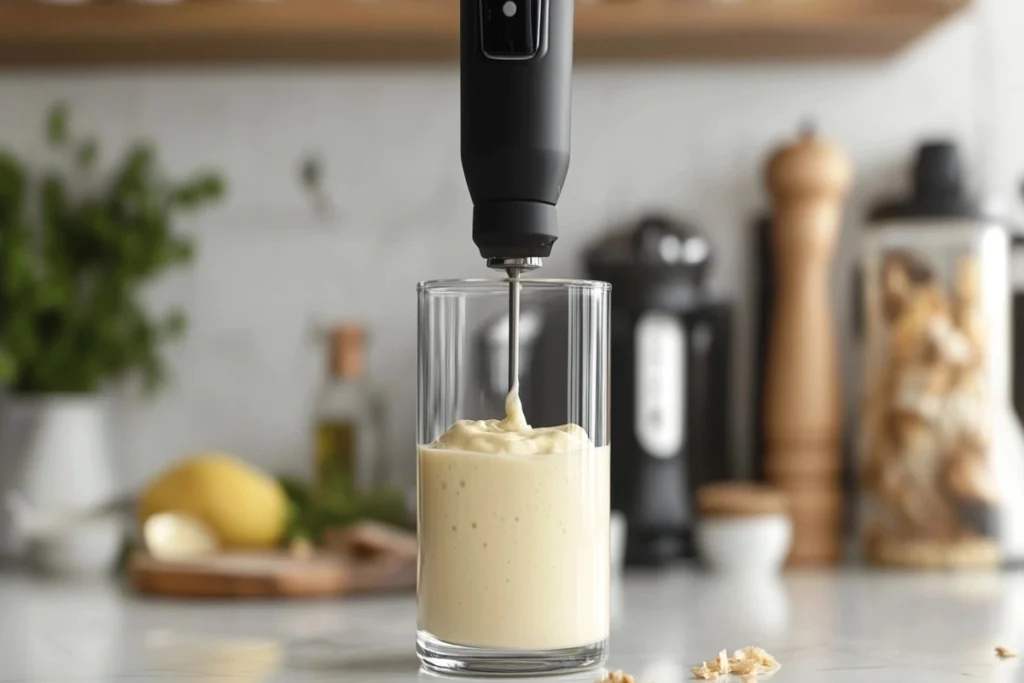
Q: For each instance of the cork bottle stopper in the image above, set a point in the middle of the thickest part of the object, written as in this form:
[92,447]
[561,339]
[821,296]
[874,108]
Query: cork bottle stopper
[346,351]
[740,499]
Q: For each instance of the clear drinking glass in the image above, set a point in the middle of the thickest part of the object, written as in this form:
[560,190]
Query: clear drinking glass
[513,548]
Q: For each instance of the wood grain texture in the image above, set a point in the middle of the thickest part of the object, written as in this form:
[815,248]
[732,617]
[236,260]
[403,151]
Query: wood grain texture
[267,575]
[802,418]
[220,31]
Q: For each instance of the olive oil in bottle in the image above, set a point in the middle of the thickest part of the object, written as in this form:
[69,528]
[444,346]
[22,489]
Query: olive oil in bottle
[348,425]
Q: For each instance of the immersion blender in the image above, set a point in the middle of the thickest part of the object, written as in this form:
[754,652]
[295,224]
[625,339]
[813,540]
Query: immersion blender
[516,92]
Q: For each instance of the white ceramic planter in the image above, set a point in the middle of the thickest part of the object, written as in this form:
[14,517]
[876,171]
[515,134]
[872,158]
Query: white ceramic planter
[63,467]
[16,423]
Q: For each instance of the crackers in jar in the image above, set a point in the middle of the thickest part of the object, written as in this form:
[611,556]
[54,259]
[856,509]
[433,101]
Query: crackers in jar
[927,431]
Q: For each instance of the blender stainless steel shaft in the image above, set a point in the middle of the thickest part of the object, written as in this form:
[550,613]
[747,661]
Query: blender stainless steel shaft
[513,328]
[516,92]
[514,268]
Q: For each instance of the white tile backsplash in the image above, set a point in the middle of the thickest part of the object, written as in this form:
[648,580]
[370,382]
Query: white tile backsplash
[687,138]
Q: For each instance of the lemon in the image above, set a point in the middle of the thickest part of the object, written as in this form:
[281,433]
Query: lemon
[242,506]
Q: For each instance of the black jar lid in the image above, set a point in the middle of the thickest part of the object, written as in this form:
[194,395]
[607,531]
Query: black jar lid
[938,190]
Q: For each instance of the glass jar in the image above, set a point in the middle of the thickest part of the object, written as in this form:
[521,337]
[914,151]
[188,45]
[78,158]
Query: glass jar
[936,414]
[513,520]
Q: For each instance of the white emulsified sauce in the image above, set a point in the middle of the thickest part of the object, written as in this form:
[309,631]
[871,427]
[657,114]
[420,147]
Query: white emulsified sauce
[513,529]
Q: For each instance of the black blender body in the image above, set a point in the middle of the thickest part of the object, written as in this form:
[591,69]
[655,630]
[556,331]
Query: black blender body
[670,346]
[516,92]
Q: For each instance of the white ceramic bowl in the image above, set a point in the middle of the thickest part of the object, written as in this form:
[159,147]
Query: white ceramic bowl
[755,544]
[90,549]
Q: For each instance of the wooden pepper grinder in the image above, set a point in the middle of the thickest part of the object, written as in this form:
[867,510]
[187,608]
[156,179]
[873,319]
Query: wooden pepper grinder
[802,417]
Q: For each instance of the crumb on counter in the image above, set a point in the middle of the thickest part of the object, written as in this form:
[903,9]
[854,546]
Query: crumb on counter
[704,673]
[750,662]
[618,676]
[1005,653]
[743,666]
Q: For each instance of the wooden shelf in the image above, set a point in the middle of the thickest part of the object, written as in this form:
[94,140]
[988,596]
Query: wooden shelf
[222,31]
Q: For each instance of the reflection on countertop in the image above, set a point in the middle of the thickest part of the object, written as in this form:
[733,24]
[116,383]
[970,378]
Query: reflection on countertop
[837,627]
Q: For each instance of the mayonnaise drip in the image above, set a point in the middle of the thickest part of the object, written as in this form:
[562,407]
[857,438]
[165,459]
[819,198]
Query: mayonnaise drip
[512,435]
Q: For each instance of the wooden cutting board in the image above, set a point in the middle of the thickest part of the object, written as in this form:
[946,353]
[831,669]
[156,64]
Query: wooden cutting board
[268,575]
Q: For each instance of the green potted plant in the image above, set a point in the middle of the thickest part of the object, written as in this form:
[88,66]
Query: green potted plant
[76,246]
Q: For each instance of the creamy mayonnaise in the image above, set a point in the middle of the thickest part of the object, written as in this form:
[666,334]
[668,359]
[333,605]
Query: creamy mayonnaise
[513,531]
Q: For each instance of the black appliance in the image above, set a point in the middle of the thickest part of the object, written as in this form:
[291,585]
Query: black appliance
[516,77]
[670,382]
[516,89]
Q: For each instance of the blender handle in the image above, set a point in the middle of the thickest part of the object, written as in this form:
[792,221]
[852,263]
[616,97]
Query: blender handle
[516,86]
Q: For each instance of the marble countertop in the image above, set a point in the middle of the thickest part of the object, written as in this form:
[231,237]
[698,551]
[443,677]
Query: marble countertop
[824,628]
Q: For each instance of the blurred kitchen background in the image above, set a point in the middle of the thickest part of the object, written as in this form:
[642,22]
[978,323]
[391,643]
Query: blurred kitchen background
[335,131]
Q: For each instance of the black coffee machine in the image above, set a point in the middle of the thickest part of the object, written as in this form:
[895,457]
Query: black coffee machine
[670,382]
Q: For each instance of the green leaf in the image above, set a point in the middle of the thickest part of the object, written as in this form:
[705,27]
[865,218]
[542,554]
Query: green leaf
[8,367]
[214,186]
[175,324]
[134,176]
[85,154]
[336,504]
[57,125]
[72,266]
[198,190]
[12,187]
[54,198]
[180,250]
[302,511]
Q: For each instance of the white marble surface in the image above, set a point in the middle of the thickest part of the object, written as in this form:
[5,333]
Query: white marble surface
[824,627]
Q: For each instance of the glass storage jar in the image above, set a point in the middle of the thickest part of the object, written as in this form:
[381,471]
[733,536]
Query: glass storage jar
[936,422]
